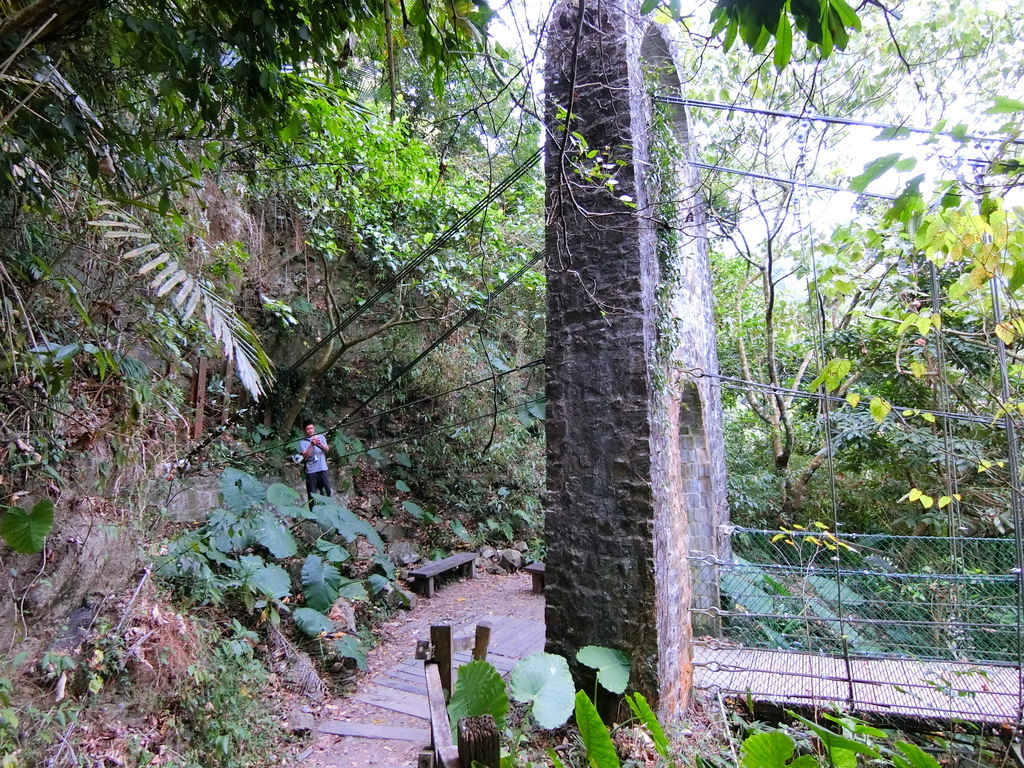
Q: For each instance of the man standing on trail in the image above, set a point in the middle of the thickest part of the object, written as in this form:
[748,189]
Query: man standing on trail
[313,448]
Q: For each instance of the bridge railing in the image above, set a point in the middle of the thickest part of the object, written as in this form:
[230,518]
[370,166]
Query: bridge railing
[943,605]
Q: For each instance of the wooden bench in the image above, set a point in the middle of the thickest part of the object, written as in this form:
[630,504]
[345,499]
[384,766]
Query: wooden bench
[536,570]
[423,577]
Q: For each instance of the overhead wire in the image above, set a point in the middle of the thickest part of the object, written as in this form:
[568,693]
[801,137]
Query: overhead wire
[789,182]
[832,119]
[468,316]
[430,250]
[394,409]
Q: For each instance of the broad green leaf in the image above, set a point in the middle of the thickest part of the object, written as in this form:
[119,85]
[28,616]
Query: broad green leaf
[915,757]
[646,715]
[772,750]
[332,552]
[1017,279]
[783,42]
[413,509]
[594,735]
[403,459]
[273,535]
[25,531]
[543,680]
[880,408]
[377,582]
[460,530]
[908,203]
[312,622]
[281,495]
[240,491]
[833,741]
[612,666]
[853,399]
[1004,106]
[648,6]
[352,590]
[873,170]
[479,690]
[320,582]
[272,580]
[350,648]
[402,486]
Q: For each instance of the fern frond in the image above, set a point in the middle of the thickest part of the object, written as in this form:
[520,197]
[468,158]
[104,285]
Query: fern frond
[301,669]
[235,337]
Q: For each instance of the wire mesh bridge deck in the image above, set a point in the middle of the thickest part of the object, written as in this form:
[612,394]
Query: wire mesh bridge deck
[919,627]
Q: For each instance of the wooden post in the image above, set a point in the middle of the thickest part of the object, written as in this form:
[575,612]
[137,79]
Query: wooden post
[483,639]
[229,374]
[441,640]
[199,398]
[479,742]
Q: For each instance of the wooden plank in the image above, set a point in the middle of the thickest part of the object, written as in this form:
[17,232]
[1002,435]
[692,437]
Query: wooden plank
[406,674]
[437,567]
[440,727]
[398,684]
[441,640]
[900,687]
[522,640]
[396,701]
[369,731]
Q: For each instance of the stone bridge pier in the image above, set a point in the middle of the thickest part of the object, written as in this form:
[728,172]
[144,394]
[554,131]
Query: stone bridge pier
[636,478]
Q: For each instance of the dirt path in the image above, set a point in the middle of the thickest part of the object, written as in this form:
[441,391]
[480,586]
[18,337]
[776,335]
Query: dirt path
[457,601]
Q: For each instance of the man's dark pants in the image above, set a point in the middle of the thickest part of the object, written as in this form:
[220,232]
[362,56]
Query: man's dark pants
[317,482]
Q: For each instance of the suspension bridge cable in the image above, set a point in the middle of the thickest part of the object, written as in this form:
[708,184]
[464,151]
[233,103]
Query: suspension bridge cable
[745,385]
[432,248]
[443,427]
[831,119]
[789,182]
[995,286]
[803,211]
[394,409]
[467,316]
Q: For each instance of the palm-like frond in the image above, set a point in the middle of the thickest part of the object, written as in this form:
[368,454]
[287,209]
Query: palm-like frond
[192,293]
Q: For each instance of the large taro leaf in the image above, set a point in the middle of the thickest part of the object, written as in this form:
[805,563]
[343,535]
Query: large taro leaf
[273,535]
[353,590]
[772,750]
[26,531]
[646,715]
[332,551]
[612,666]
[913,757]
[543,680]
[240,491]
[594,735]
[320,582]
[271,580]
[349,648]
[346,522]
[281,495]
[312,622]
[479,690]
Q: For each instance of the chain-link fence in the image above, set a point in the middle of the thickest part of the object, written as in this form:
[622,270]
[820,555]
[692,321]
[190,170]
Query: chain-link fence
[943,613]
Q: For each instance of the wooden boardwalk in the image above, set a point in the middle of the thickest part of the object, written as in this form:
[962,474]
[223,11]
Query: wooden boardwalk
[402,688]
[900,688]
